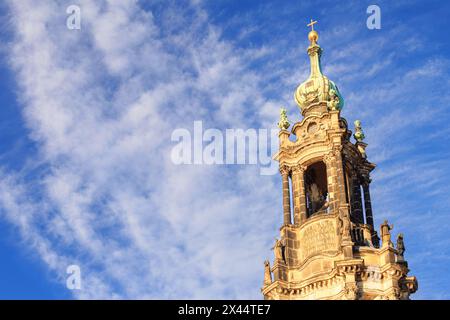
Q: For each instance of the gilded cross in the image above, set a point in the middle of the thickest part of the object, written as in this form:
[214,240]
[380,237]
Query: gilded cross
[311,24]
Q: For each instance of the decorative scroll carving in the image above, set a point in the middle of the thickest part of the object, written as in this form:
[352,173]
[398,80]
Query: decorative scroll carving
[329,158]
[365,179]
[284,169]
[299,169]
[351,292]
[336,149]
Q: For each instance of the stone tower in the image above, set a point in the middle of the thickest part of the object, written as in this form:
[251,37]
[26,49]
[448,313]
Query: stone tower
[328,247]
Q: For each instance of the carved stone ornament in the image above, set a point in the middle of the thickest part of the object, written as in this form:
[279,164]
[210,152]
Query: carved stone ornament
[283,124]
[359,134]
[351,292]
[279,248]
[328,158]
[299,169]
[284,169]
[333,103]
[345,225]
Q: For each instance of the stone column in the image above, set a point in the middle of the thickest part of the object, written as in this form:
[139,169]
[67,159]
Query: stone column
[368,204]
[331,182]
[339,167]
[298,181]
[286,195]
[357,211]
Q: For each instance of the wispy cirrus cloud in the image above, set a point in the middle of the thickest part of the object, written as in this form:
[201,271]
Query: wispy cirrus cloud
[101,107]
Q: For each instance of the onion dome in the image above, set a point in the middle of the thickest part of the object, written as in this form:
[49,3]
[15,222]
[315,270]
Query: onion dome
[317,89]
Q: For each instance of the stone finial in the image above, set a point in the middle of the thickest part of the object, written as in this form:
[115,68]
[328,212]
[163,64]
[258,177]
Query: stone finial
[359,134]
[283,124]
[386,234]
[267,273]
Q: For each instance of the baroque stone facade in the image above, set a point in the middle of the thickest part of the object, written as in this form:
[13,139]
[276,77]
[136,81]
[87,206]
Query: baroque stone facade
[328,246]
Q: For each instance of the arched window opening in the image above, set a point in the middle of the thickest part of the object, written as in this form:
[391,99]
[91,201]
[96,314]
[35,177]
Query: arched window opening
[316,188]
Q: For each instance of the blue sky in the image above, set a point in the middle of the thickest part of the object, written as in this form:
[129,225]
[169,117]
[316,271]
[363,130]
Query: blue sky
[86,118]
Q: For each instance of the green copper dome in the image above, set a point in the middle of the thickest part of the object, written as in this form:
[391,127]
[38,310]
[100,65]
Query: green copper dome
[317,88]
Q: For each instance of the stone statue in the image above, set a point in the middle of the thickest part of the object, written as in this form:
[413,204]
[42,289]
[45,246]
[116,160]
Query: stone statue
[267,273]
[386,233]
[283,124]
[279,250]
[315,194]
[316,198]
[400,246]
[345,225]
[334,101]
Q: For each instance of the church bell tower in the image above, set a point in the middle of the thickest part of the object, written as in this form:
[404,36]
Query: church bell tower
[328,247]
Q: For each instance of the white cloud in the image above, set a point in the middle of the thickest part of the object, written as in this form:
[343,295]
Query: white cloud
[101,104]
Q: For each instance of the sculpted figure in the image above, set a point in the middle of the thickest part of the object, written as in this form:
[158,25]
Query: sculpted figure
[316,198]
[400,245]
[315,195]
[345,224]
[279,250]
